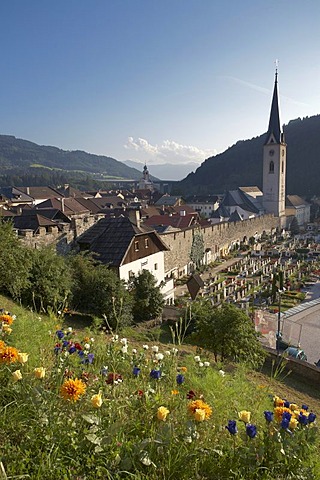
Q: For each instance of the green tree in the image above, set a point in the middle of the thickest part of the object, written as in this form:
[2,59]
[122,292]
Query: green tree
[97,290]
[15,262]
[228,332]
[49,280]
[147,298]
[197,249]
[294,226]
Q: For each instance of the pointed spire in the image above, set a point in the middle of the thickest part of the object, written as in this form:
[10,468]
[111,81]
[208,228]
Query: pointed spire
[274,122]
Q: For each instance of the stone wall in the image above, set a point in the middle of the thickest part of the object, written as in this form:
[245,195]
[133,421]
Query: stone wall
[217,237]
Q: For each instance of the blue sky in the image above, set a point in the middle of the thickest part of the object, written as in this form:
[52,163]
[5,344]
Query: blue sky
[154,80]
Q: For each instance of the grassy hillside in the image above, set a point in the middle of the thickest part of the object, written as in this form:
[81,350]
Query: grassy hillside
[86,405]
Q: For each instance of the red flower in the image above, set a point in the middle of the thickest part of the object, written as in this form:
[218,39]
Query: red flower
[112,378]
[191,394]
[78,346]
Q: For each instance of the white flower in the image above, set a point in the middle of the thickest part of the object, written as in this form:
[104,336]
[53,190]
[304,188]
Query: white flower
[222,373]
[159,356]
[200,364]
[124,341]
[115,338]
[134,351]
[155,348]
[87,346]
[91,339]
[175,351]
[145,347]
[206,364]
[124,349]
[66,354]
[188,439]
[167,352]
[14,317]
[70,329]
[197,359]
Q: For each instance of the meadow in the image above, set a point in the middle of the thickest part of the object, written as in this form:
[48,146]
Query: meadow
[86,404]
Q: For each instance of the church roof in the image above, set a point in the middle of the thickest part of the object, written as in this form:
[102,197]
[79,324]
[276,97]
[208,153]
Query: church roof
[274,121]
[295,201]
[235,217]
[239,198]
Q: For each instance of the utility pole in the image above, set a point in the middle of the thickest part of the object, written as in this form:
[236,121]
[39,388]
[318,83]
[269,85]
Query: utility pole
[279,324]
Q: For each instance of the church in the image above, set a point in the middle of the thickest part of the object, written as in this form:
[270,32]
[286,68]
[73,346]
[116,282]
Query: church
[250,202]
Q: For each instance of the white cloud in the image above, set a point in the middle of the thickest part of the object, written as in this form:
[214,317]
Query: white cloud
[168,151]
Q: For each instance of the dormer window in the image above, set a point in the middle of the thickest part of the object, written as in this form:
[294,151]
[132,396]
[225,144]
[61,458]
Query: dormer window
[146,243]
[136,246]
[271,167]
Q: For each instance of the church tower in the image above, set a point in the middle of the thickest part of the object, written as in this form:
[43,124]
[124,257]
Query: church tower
[274,161]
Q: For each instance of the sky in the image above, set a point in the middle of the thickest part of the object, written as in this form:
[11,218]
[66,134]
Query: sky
[155,81]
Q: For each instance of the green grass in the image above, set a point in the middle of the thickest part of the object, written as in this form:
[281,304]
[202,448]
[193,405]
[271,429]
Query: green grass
[45,437]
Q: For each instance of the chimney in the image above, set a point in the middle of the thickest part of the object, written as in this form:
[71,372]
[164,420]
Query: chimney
[134,216]
[62,204]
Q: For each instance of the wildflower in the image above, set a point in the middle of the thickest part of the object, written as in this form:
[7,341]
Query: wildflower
[72,389]
[23,357]
[175,351]
[180,379]
[286,417]
[311,417]
[174,392]
[206,364]
[65,343]
[200,364]
[268,415]
[191,395]
[96,400]
[104,371]
[136,371]
[278,402]
[8,355]
[90,358]
[87,346]
[115,338]
[183,369]
[6,318]
[232,427]
[197,358]
[2,344]
[145,347]
[113,378]
[200,405]
[168,353]
[303,419]
[293,406]
[159,356]
[222,373]
[72,349]
[134,351]
[39,372]
[155,349]
[286,404]
[69,329]
[60,334]
[6,329]
[156,374]
[293,423]
[279,411]
[78,346]
[17,375]
[124,341]
[124,348]
[251,430]
[304,407]
[244,416]
[162,413]
[199,415]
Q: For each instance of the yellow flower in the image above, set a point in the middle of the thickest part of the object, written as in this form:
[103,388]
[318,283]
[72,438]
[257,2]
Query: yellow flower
[200,415]
[96,400]
[244,416]
[293,423]
[6,328]
[6,319]
[72,389]
[23,357]
[162,413]
[174,392]
[200,405]
[17,375]
[278,402]
[293,406]
[8,355]
[39,372]
[183,369]
[2,344]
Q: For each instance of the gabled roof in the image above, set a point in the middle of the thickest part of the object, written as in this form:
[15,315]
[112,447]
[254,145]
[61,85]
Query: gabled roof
[53,214]
[221,212]
[208,199]
[67,191]
[32,222]
[69,206]
[40,192]
[178,221]
[110,239]
[235,217]
[168,200]
[240,199]
[295,201]
[14,195]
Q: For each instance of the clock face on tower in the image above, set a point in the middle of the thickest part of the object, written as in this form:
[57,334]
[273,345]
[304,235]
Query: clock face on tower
[271,153]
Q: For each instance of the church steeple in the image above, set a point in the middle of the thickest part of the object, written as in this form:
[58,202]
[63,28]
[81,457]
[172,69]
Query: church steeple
[274,129]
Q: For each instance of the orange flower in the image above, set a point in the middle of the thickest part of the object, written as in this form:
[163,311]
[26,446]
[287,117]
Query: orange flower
[279,411]
[278,402]
[6,319]
[200,405]
[72,389]
[2,344]
[8,355]
[183,369]
[174,392]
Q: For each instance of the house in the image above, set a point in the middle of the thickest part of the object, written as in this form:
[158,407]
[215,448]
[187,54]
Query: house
[298,208]
[203,204]
[128,248]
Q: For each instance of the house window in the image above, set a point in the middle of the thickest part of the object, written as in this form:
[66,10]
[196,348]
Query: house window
[282,166]
[156,266]
[271,167]
[136,246]
[146,243]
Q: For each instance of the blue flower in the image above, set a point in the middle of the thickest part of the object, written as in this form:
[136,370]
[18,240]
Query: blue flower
[136,371]
[303,419]
[90,357]
[286,404]
[80,353]
[232,427]
[65,343]
[156,374]
[285,422]
[251,430]
[268,415]
[59,334]
[304,407]
[72,350]
[57,350]
[311,417]
[180,379]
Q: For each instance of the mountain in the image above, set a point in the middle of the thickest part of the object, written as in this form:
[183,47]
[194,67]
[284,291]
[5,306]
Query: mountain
[241,164]
[166,171]
[17,155]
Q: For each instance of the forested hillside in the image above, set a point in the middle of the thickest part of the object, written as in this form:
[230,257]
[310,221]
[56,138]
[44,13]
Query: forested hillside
[241,164]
